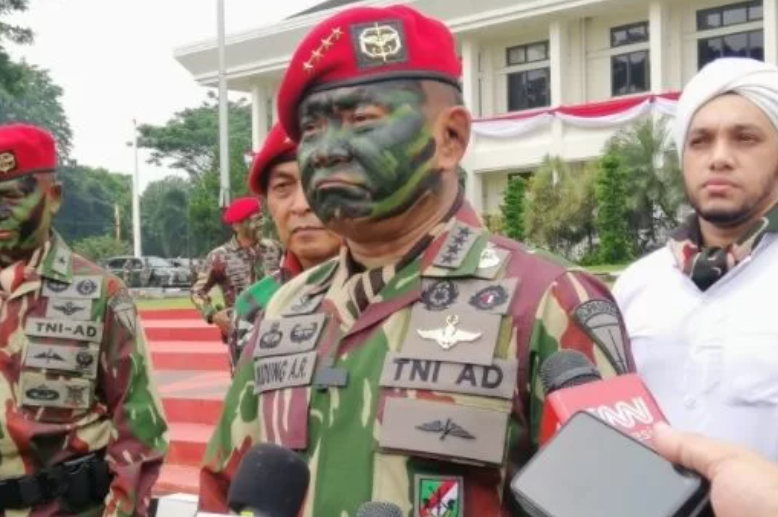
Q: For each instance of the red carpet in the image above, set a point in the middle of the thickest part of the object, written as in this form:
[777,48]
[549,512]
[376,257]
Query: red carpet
[192,371]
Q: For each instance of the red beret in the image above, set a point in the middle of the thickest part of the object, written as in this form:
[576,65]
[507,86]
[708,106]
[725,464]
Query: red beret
[241,209]
[277,144]
[366,44]
[25,149]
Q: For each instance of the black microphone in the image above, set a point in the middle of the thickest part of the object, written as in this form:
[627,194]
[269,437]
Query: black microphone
[271,481]
[379,509]
[592,469]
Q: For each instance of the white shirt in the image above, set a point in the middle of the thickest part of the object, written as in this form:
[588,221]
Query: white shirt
[710,358]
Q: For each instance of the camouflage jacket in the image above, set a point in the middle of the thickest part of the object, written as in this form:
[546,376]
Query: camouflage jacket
[233,268]
[77,377]
[254,299]
[442,401]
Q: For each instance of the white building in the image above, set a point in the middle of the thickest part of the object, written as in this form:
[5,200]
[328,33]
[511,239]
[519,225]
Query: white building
[540,76]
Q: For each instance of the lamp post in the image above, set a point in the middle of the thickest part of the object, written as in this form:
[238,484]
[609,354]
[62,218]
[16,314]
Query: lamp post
[224,143]
[135,194]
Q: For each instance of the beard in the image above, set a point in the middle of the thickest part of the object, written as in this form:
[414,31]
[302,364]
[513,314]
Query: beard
[733,216]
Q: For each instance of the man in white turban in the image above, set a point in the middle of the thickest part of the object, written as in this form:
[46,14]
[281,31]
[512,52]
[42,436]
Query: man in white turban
[701,311]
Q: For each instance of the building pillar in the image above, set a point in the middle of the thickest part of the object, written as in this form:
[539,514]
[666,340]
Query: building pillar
[557,49]
[259,129]
[770,13]
[659,34]
[487,84]
[470,75]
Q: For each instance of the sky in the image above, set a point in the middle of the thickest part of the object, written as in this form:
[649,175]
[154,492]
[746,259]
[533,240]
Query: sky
[114,60]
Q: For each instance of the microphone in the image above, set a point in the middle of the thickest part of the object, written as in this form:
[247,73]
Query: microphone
[271,481]
[572,384]
[379,509]
[591,469]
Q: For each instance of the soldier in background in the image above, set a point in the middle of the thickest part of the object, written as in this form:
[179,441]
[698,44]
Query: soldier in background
[83,431]
[246,258]
[406,371]
[275,177]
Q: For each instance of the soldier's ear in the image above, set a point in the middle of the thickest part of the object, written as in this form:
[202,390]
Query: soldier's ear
[452,133]
[55,196]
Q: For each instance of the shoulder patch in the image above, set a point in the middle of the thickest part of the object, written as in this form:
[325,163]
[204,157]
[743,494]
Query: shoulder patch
[124,311]
[601,322]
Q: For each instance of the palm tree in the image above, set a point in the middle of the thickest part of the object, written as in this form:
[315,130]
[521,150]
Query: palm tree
[655,191]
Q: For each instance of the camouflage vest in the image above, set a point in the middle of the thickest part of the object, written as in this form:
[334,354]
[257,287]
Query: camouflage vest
[424,399]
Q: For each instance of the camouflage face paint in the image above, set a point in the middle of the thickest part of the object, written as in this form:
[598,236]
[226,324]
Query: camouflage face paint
[366,151]
[250,229]
[25,216]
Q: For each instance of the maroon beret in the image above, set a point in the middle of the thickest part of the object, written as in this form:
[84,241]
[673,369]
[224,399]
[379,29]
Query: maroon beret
[366,44]
[241,209]
[25,149]
[276,145]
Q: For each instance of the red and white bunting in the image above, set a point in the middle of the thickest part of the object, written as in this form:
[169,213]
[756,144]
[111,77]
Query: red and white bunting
[594,115]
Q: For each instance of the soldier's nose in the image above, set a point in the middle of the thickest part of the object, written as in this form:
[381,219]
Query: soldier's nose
[331,153]
[5,212]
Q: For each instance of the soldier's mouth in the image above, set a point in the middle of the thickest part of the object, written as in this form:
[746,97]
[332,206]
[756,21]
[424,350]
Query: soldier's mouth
[6,234]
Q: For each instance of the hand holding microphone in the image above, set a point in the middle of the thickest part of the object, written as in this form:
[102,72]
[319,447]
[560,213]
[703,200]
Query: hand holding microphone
[742,482]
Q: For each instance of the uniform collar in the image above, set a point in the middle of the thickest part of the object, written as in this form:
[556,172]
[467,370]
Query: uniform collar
[58,261]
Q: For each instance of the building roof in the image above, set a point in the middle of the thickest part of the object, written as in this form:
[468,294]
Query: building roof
[323,6]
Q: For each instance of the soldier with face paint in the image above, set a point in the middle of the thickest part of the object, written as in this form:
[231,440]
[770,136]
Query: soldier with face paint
[82,431]
[237,264]
[406,370]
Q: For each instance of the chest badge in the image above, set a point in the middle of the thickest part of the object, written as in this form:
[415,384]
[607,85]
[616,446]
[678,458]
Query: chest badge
[449,336]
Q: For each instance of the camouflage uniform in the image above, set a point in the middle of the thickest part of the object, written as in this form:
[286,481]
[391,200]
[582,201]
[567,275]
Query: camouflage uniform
[254,299]
[442,401]
[77,378]
[233,268]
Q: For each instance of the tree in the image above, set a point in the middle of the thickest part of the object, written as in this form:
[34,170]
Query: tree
[654,183]
[39,102]
[513,209]
[165,219]
[190,141]
[611,188]
[205,216]
[100,247]
[90,198]
[561,206]
[10,72]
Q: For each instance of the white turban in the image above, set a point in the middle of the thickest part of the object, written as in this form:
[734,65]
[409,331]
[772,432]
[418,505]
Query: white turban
[754,80]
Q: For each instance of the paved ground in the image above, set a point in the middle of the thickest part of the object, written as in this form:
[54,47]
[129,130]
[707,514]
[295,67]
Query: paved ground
[192,371]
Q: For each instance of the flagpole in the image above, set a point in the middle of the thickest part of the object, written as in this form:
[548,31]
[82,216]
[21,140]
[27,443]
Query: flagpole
[135,194]
[224,143]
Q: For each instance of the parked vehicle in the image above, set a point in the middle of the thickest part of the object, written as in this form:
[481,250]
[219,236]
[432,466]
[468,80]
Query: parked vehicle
[149,272]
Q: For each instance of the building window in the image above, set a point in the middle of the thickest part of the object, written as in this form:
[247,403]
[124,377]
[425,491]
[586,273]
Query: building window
[529,87]
[743,44]
[728,15]
[629,34]
[630,73]
[524,54]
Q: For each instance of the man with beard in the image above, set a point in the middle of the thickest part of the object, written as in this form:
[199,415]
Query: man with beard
[275,177]
[82,431]
[406,370]
[235,265]
[698,311]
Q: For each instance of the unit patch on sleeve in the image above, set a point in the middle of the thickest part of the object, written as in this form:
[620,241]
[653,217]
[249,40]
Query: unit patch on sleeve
[600,320]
